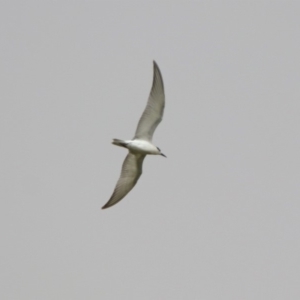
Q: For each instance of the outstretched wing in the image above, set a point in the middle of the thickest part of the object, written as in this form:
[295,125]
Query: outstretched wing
[131,172]
[154,110]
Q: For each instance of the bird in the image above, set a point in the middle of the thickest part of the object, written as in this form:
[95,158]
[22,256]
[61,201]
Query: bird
[141,145]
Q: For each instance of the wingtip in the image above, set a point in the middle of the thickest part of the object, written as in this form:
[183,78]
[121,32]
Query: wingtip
[156,68]
[107,205]
[110,203]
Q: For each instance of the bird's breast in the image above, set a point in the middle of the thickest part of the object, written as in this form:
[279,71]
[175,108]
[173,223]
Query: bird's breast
[143,147]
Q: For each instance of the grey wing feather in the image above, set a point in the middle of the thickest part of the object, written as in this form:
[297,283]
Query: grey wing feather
[154,110]
[131,172]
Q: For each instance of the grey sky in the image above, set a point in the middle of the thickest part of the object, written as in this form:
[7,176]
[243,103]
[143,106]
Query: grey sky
[217,219]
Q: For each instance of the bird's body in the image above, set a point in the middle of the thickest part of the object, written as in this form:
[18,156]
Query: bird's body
[137,146]
[141,145]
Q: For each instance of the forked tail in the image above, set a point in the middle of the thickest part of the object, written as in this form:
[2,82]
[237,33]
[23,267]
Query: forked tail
[120,143]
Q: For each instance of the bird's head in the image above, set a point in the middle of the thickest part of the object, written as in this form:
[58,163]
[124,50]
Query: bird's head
[160,152]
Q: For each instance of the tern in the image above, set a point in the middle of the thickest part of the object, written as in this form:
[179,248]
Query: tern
[141,145]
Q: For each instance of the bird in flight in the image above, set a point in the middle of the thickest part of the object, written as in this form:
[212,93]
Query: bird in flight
[141,144]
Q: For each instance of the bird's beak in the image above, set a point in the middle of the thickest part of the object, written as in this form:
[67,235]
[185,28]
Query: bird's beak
[162,154]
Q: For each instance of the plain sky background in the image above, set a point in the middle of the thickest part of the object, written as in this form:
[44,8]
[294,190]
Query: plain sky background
[218,219]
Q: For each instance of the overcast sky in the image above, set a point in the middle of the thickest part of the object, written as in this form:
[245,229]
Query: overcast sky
[218,219]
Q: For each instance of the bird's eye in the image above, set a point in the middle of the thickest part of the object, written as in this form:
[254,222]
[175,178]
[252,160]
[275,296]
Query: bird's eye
[158,149]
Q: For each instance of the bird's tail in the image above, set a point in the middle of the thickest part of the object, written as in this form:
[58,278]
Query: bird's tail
[120,143]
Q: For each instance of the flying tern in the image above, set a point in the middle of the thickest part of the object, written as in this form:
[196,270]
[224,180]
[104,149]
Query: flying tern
[141,144]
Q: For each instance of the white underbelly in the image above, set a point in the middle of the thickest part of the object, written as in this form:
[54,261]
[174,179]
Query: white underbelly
[143,147]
